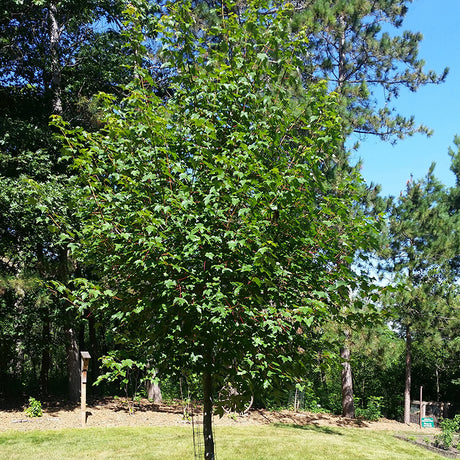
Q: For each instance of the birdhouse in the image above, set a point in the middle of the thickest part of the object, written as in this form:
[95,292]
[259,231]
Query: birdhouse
[85,357]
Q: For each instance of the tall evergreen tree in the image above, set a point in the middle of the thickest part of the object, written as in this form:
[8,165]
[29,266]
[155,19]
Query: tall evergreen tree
[356,47]
[454,200]
[350,46]
[419,250]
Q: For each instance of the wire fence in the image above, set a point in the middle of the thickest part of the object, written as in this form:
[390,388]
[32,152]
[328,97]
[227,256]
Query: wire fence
[197,428]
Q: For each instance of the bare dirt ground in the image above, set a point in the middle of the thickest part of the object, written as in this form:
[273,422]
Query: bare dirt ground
[109,412]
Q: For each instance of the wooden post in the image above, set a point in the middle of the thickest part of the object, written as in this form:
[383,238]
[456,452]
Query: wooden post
[421,405]
[85,357]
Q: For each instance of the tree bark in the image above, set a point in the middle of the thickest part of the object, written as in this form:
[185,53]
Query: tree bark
[72,346]
[54,39]
[46,331]
[348,404]
[154,392]
[341,50]
[73,365]
[46,356]
[153,388]
[437,384]
[207,417]
[407,387]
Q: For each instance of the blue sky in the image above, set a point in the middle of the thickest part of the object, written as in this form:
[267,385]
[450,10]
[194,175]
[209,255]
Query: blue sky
[437,106]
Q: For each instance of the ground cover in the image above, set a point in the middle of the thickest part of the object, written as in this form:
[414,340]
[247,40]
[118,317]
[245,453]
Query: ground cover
[433,444]
[158,432]
[249,442]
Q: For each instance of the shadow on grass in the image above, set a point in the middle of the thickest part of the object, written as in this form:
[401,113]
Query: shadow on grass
[315,428]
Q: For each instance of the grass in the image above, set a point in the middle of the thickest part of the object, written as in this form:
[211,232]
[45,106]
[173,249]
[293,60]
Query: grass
[275,442]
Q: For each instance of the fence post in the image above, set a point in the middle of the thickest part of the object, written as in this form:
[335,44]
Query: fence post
[85,357]
[421,405]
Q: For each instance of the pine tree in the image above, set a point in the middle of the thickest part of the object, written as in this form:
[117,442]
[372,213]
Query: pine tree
[419,251]
[352,46]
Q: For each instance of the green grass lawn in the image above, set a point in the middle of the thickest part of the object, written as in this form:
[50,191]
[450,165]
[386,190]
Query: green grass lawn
[273,442]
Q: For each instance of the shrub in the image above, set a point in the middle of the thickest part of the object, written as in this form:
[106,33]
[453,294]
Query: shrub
[448,427]
[34,409]
[373,410]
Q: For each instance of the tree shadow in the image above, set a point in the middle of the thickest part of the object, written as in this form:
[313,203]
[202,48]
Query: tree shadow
[315,428]
[307,419]
[49,404]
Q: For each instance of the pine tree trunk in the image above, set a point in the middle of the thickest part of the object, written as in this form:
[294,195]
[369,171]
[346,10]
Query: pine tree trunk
[437,384]
[348,404]
[46,357]
[207,417]
[408,376]
[341,50]
[54,39]
[72,348]
[19,360]
[73,365]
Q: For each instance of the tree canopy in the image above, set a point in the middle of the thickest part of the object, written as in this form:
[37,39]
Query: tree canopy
[358,48]
[208,219]
[204,219]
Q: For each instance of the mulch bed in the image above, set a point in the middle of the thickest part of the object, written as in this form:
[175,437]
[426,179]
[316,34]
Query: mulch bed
[420,441]
[110,412]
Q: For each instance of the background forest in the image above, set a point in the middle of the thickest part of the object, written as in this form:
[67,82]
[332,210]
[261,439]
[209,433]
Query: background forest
[202,218]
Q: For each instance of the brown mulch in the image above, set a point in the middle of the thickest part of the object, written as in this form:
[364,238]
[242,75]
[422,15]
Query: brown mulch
[110,412]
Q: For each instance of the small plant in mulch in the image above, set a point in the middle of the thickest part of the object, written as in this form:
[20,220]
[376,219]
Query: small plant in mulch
[430,443]
[34,409]
[446,443]
[188,410]
[449,426]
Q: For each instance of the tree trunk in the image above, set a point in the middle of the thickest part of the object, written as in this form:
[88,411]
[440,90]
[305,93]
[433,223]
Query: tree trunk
[154,391]
[341,50]
[153,388]
[207,417]
[54,39]
[46,331]
[437,384]
[408,376]
[46,356]
[72,348]
[348,404]
[19,359]
[73,365]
